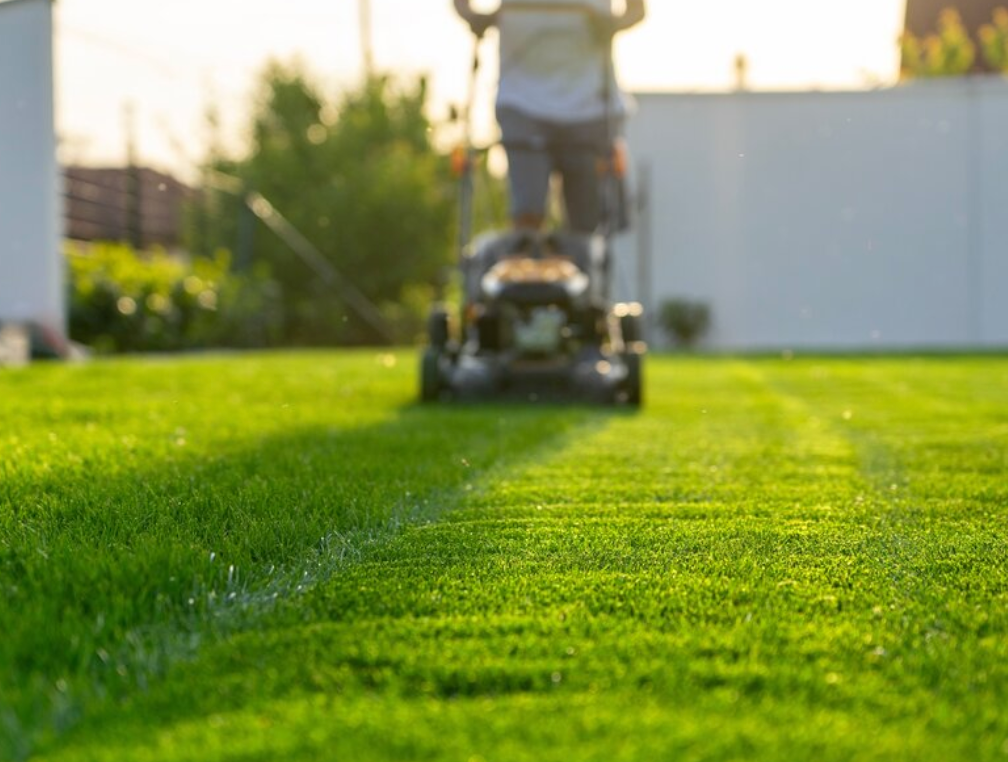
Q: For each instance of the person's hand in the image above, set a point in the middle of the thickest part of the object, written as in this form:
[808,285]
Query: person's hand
[480,22]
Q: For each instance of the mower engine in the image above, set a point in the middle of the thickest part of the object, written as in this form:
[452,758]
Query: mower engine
[536,323]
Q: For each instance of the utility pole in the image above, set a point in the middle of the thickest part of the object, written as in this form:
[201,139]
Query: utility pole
[364,15]
[741,72]
[133,206]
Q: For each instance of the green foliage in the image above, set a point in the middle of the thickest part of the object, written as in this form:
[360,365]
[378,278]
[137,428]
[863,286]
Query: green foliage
[994,41]
[278,558]
[125,301]
[948,53]
[359,179]
[685,321]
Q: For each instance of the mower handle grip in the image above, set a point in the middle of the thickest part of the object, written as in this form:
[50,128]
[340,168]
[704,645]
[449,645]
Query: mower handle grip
[529,6]
[518,5]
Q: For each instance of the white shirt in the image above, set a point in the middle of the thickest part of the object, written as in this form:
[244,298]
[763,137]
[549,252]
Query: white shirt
[551,65]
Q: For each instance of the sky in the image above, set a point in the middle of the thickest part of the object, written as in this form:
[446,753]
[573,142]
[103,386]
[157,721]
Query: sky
[164,62]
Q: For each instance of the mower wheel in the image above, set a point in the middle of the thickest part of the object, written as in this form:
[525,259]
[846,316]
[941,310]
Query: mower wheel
[430,375]
[630,328]
[634,380]
[631,317]
[437,328]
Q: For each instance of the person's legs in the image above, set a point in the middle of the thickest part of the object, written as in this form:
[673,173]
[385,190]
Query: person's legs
[579,150]
[529,167]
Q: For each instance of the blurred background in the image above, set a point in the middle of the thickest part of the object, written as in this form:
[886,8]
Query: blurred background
[806,174]
[172,61]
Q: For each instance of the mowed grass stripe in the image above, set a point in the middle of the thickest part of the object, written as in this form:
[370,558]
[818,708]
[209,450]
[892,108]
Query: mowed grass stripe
[731,573]
[921,426]
[712,436]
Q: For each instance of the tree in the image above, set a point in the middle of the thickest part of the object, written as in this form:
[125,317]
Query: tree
[994,41]
[360,180]
[950,52]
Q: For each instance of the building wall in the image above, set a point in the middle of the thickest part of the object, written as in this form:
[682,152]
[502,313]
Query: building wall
[30,263]
[828,220]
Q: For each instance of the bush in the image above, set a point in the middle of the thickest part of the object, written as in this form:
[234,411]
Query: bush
[994,41]
[949,53]
[684,321]
[361,180]
[122,300]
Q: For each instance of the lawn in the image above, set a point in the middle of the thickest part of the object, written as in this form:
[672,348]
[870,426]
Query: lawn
[283,557]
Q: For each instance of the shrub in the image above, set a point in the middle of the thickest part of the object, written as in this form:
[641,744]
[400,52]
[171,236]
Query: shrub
[361,180]
[949,53]
[684,320]
[122,300]
[994,41]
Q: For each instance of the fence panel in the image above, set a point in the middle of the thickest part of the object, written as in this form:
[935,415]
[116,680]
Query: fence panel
[831,220]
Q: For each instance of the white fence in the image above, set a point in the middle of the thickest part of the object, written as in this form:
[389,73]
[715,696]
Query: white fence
[828,220]
[31,283]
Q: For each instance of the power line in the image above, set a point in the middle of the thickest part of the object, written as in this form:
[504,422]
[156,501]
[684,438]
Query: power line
[162,67]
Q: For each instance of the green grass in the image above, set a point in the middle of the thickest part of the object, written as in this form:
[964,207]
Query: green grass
[281,557]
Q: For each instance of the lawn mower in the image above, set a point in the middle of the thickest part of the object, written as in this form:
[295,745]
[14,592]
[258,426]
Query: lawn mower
[536,321]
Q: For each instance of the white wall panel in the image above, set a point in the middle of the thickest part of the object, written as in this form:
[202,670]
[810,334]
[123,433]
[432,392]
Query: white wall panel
[991,270]
[30,215]
[831,220]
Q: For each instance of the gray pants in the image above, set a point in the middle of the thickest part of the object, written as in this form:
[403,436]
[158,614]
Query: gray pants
[537,148]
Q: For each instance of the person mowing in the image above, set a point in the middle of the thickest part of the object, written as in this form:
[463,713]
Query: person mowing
[555,79]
